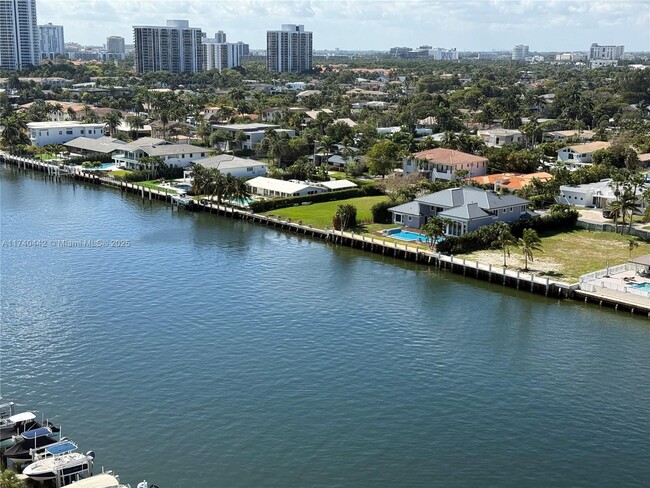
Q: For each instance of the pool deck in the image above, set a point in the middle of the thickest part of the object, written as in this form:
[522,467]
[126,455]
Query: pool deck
[615,288]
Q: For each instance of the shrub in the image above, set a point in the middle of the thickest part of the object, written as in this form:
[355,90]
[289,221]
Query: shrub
[380,213]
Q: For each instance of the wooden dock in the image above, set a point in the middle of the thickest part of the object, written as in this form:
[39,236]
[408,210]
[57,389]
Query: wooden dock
[496,274]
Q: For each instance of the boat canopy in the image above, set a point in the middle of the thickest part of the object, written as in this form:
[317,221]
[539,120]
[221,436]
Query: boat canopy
[61,447]
[22,417]
[33,434]
[103,480]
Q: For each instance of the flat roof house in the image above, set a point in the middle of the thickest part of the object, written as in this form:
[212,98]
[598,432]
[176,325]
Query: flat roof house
[466,208]
[173,155]
[272,188]
[500,137]
[60,132]
[598,194]
[232,165]
[102,145]
[581,153]
[254,132]
[443,164]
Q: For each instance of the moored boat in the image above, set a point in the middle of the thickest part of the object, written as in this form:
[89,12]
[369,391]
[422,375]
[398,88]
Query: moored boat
[20,452]
[69,465]
[103,480]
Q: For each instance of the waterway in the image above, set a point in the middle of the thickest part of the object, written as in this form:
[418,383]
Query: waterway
[198,351]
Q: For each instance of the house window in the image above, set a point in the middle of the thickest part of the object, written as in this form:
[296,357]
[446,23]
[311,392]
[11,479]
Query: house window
[570,155]
[398,218]
[511,209]
[410,219]
[60,132]
[82,131]
[69,131]
[249,169]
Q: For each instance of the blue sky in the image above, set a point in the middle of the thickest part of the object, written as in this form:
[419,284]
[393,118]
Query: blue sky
[545,25]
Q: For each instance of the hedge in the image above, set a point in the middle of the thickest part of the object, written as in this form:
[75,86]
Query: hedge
[330,196]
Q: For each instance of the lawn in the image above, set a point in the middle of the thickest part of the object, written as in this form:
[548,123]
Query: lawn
[569,255]
[119,173]
[320,215]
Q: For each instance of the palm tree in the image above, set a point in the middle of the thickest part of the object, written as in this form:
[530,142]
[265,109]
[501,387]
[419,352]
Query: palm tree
[529,242]
[135,122]
[72,115]
[434,229]
[631,244]
[113,120]
[346,214]
[505,241]
[204,130]
[240,191]
[15,132]
[199,176]
[8,479]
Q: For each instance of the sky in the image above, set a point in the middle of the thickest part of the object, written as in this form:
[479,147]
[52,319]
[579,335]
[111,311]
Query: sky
[467,25]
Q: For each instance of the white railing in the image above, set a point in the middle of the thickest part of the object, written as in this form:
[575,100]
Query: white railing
[608,286]
[596,275]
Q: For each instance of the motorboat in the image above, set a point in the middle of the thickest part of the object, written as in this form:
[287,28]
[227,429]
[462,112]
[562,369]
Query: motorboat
[61,466]
[12,425]
[64,446]
[15,425]
[103,480]
[20,452]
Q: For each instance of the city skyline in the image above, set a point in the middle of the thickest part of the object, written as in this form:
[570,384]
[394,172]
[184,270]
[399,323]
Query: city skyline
[468,25]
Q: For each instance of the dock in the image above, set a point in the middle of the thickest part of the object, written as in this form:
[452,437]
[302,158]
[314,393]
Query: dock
[520,280]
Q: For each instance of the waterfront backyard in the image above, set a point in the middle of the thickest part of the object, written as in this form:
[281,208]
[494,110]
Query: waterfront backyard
[565,257]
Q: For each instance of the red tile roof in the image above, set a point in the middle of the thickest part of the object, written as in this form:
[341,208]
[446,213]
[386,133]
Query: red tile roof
[448,156]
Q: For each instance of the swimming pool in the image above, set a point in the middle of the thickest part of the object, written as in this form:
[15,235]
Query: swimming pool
[641,286]
[405,235]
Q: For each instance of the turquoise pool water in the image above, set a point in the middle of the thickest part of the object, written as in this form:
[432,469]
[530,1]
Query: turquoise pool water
[642,286]
[405,235]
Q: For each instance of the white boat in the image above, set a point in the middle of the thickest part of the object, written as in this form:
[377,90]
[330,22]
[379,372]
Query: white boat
[103,480]
[63,466]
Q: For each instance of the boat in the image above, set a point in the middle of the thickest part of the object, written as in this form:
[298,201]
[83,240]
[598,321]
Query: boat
[103,480]
[20,452]
[61,466]
[15,425]
[64,446]
[182,199]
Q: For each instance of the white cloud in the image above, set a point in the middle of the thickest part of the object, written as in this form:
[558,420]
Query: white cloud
[378,24]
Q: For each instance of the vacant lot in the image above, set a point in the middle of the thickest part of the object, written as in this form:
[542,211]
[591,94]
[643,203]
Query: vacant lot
[320,214]
[568,255]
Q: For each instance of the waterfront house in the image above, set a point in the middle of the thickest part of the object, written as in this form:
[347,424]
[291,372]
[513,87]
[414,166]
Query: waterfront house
[466,209]
[443,164]
[173,155]
[561,135]
[273,188]
[60,132]
[580,154]
[84,146]
[232,165]
[335,185]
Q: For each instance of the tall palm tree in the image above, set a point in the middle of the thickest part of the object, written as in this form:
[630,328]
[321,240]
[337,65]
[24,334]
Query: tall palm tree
[135,122]
[529,242]
[113,120]
[505,241]
[72,115]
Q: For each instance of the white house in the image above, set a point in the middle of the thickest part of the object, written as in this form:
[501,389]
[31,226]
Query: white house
[44,133]
[443,164]
[598,194]
[173,155]
[254,132]
[581,153]
[500,137]
[232,165]
[334,185]
[270,187]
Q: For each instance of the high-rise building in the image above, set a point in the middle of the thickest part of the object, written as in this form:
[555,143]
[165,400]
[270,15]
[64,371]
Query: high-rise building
[175,48]
[440,54]
[19,45]
[605,52]
[519,52]
[51,40]
[289,49]
[220,55]
[115,47]
[220,37]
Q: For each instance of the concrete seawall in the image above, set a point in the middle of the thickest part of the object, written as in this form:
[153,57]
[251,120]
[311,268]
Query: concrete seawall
[516,279]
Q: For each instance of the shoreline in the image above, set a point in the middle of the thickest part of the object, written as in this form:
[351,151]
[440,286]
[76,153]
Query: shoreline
[513,279]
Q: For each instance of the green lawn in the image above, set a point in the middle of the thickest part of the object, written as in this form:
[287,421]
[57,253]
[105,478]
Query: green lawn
[47,156]
[320,214]
[569,255]
[119,173]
